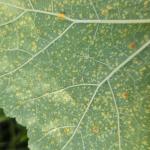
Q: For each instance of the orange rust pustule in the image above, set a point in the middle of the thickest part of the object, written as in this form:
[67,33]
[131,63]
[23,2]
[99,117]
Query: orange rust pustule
[61,16]
[132,45]
[125,95]
[95,130]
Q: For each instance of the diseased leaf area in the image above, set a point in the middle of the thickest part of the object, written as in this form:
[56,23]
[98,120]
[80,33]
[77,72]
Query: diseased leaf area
[76,72]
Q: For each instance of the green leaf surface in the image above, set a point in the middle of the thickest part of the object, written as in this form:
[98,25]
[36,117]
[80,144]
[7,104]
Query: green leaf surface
[76,73]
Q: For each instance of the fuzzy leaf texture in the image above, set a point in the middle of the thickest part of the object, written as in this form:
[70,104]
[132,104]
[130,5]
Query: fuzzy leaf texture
[76,73]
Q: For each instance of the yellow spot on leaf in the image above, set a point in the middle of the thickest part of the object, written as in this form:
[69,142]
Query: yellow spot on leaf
[34,46]
[109,7]
[61,16]
[146,2]
[106,10]
[67,130]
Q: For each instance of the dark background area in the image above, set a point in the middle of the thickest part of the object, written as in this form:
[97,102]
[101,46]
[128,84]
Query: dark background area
[12,135]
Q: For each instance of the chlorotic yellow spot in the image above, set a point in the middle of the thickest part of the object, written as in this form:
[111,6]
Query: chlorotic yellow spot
[34,46]
[109,7]
[67,130]
[105,11]
[146,2]
[61,16]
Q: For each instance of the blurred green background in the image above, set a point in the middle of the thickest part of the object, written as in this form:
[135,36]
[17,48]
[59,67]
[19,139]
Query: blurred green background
[12,135]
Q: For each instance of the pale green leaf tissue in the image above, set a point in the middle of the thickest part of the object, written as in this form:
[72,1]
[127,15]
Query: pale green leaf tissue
[76,73]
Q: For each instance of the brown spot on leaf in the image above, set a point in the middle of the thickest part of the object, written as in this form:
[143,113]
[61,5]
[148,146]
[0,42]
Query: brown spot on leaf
[132,45]
[125,95]
[95,129]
